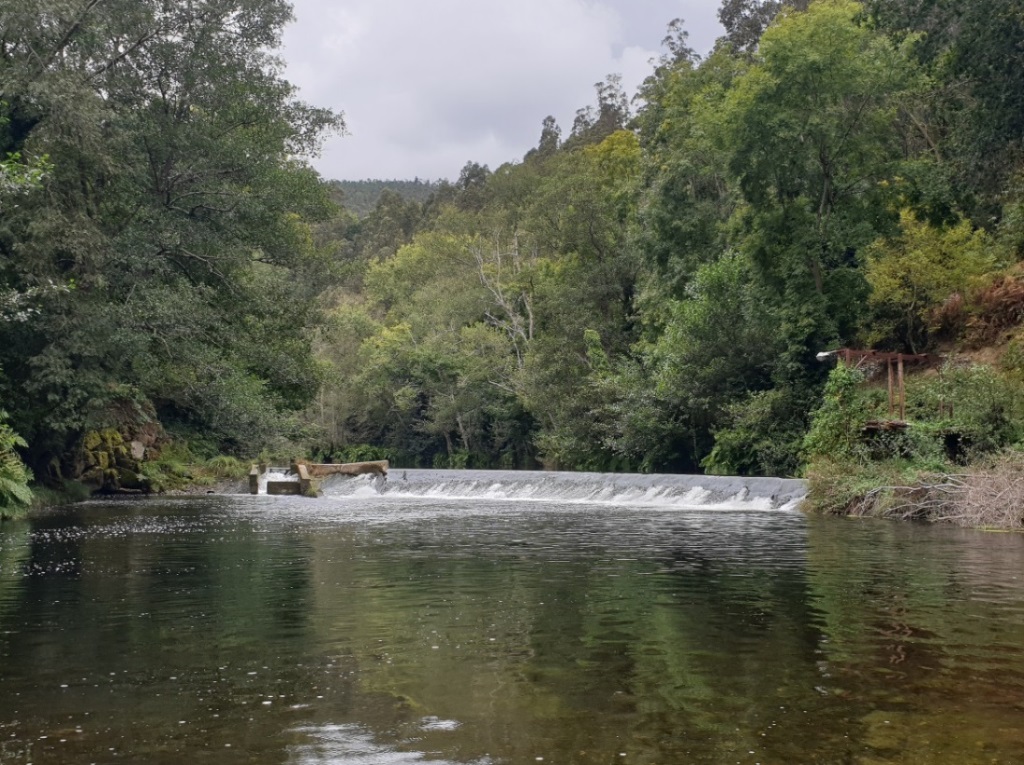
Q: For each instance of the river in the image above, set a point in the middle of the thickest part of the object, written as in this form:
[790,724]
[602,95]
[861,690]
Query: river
[473,624]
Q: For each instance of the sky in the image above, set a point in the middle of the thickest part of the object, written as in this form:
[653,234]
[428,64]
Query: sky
[429,85]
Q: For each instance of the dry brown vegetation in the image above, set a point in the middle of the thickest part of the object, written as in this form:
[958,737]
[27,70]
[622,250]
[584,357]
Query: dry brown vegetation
[985,496]
[998,308]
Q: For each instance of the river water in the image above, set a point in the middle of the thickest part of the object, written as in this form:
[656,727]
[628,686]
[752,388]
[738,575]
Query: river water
[473,624]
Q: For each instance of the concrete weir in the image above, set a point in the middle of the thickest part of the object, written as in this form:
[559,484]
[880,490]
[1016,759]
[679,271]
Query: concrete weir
[300,476]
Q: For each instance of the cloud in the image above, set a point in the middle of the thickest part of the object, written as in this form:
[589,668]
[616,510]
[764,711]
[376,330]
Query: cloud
[426,87]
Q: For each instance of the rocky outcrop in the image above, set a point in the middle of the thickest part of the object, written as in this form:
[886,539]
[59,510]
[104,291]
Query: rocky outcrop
[108,462]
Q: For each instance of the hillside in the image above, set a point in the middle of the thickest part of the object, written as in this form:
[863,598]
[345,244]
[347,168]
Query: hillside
[360,197]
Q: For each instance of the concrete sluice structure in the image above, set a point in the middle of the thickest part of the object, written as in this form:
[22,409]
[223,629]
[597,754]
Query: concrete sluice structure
[299,478]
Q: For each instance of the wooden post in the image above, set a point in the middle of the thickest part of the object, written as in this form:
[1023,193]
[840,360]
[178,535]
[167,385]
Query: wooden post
[903,390]
[888,365]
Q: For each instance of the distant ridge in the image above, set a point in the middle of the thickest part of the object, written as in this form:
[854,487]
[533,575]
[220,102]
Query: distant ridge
[360,197]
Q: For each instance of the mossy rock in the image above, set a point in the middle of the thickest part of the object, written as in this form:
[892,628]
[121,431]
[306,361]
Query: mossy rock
[131,480]
[93,478]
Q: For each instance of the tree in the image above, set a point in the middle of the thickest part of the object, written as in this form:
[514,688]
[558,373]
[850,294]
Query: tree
[14,476]
[549,143]
[177,195]
[973,51]
[913,274]
[717,344]
[585,285]
[592,125]
[746,20]
[811,137]
[689,194]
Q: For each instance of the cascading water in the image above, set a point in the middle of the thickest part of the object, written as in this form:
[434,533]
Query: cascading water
[668,491]
[277,475]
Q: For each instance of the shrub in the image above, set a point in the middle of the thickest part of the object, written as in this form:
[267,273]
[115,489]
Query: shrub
[837,426]
[763,437]
[919,278]
[15,494]
[998,307]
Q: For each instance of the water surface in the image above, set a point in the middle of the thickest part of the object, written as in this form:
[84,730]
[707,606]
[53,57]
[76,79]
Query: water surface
[378,629]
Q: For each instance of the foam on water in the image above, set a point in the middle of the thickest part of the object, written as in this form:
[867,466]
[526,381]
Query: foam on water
[275,474]
[653,491]
[350,744]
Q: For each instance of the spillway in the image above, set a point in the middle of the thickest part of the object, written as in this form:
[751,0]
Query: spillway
[668,491]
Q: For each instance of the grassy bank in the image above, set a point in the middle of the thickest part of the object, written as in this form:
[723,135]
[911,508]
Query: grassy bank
[957,456]
[987,494]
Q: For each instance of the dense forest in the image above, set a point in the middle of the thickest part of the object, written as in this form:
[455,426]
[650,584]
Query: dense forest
[362,197]
[646,291]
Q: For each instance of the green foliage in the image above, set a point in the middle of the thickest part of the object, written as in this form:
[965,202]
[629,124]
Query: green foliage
[176,215]
[839,487]
[653,299]
[762,436]
[914,274]
[978,405]
[690,197]
[975,115]
[15,494]
[837,425]
[649,293]
[809,131]
[363,197]
[224,467]
[355,453]
[177,468]
[968,415]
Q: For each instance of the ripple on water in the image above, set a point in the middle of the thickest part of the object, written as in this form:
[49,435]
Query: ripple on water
[392,630]
[352,745]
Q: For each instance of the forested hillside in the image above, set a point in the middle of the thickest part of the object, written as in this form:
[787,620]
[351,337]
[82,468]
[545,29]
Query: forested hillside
[650,290]
[647,290]
[361,197]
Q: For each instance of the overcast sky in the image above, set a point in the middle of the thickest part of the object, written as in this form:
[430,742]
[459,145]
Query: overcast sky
[428,85]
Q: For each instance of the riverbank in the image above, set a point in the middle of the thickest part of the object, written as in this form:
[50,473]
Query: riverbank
[987,495]
[168,476]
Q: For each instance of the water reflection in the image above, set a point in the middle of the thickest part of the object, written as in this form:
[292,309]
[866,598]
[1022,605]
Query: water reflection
[393,630]
[351,745]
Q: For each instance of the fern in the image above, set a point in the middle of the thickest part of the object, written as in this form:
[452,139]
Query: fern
[14,476]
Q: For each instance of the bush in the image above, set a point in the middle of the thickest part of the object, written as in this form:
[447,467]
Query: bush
[15,494]
[837,426]
[763,437]
[354,453]
[977,404]
[839,487]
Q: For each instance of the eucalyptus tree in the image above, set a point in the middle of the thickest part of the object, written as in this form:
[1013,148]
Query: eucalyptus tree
[174,214]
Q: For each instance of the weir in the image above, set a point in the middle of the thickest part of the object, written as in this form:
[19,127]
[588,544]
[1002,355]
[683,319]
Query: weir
[668,491]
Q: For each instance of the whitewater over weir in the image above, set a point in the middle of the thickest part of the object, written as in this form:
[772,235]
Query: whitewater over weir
[679,492]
